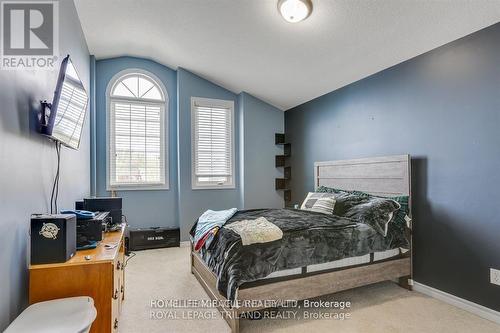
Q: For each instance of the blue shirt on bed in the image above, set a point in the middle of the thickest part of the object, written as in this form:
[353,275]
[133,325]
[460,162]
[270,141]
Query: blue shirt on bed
[211,219]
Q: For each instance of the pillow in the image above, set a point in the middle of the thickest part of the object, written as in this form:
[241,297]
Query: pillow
[325,189]
[400,218]
[311,199]
[398,229]
[375,212]
[369,209]
[324,205]
[344,200]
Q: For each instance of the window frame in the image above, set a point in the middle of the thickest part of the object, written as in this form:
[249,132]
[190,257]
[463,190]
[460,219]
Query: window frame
[209,102]
[164,129]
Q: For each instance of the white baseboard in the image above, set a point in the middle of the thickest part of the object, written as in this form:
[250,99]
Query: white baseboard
[461,303]
[185,244]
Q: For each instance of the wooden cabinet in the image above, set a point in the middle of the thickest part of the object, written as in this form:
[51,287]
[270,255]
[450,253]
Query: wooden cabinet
[101,276]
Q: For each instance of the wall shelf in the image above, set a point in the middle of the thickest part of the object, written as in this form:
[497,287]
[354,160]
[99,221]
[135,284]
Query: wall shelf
[287,195]
[287,172]
[281,184]
[279,138]
[280,161]
[287,149]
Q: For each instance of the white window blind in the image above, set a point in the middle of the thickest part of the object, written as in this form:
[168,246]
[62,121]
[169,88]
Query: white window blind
[212,129]
[136,134]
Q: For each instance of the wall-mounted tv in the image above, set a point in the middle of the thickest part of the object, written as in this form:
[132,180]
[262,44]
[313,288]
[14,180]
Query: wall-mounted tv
[63,119]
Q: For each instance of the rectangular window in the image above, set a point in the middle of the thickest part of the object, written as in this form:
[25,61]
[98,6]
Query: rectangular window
[137,145]
[212,123]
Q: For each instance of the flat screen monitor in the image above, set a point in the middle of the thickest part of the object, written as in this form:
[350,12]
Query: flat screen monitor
[65,117]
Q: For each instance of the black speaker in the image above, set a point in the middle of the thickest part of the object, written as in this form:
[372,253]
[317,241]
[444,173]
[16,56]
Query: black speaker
[79,205]
[53,238]
[90,230]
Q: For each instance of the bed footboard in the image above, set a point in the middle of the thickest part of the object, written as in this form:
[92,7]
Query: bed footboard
[317,285]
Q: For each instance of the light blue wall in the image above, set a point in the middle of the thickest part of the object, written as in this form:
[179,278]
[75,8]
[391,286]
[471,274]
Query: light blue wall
[260,121]
[92,116]
[194,202]
[142,208]
[28,161]
[255,125]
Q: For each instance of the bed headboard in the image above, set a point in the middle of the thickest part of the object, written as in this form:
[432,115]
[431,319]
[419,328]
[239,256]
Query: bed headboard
[382,176]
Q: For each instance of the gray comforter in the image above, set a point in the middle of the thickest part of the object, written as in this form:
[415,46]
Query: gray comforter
[308,238]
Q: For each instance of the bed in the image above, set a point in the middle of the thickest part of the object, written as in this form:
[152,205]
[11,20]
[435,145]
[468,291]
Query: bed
[386,176]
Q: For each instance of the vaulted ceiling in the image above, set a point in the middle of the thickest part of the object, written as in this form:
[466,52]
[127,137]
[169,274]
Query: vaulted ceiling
[246,46]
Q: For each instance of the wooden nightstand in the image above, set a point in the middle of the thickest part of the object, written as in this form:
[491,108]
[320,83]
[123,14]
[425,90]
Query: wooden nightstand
[101,277]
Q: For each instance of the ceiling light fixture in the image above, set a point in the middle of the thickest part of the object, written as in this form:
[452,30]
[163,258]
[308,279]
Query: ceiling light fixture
[294,11]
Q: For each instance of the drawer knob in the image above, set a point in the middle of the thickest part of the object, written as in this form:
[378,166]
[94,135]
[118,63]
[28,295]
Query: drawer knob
[115,295]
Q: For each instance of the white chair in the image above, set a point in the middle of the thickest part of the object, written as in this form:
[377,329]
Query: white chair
[65,315]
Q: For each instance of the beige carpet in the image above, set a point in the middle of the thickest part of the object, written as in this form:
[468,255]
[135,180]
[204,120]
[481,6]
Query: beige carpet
[386,308]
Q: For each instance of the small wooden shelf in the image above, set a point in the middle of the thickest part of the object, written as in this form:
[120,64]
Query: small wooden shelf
[287,195]
[287,149]
[279,138]
[280,161]
[281,184]
[287,172]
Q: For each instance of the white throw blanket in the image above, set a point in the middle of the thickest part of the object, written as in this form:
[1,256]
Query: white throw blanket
[256,231]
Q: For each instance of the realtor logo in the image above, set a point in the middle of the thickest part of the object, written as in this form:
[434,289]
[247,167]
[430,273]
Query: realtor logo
[29,37]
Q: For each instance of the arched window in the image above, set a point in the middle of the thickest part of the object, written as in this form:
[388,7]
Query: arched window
[137,135]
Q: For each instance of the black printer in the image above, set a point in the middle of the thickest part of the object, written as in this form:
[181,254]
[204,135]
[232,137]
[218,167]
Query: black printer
[89,231]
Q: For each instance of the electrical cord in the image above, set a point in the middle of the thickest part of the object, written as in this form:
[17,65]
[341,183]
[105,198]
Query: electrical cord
[55,186]
[53,190]
[58,175]
[130,256]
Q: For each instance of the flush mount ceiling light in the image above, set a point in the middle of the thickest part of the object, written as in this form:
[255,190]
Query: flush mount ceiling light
[295,11]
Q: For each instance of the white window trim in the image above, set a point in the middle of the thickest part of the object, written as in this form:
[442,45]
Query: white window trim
[213,103]
[164,137]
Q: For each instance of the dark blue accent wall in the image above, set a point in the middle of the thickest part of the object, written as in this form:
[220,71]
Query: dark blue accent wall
[443,108]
